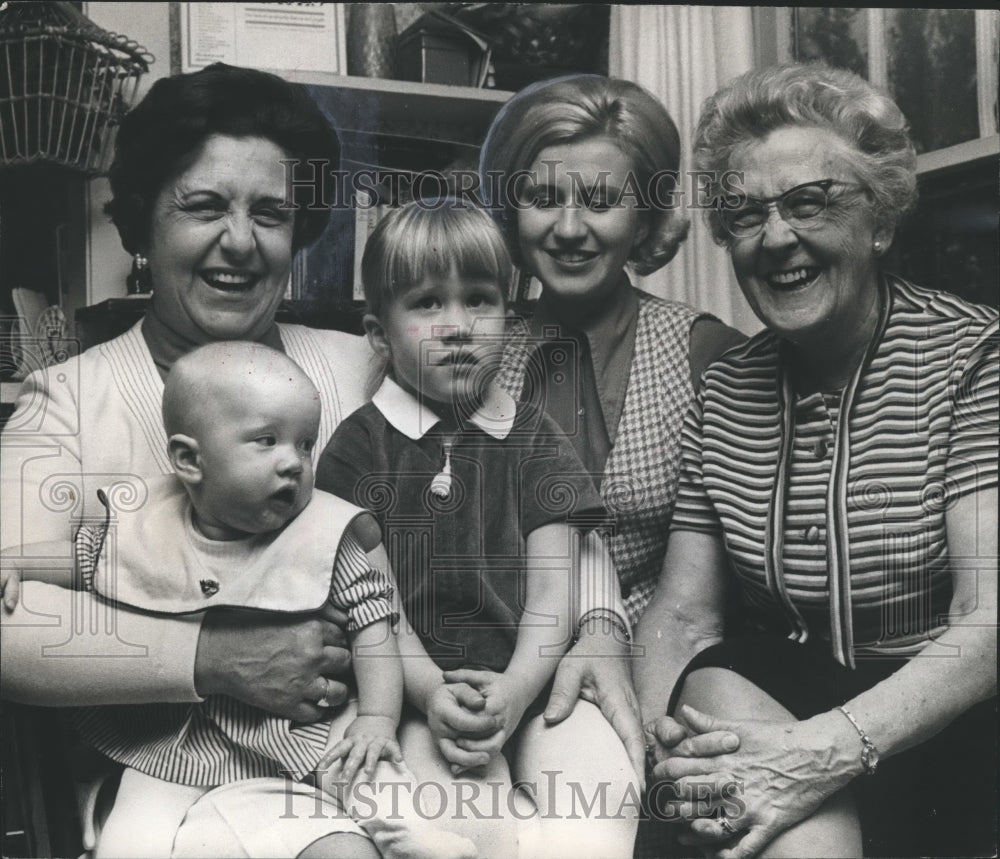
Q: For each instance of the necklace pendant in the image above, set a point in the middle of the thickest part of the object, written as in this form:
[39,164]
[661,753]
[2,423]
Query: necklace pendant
[441,484]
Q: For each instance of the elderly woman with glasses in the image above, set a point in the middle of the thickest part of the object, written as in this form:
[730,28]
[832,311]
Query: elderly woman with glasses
[840,470]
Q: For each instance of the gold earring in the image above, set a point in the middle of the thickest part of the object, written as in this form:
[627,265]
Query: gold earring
[141,279]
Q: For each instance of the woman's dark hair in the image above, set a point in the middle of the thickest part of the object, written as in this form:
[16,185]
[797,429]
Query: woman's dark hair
[179,113]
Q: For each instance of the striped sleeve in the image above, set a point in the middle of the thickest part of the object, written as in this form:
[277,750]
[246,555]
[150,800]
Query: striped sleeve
[973,446]
[87,547]
[694,510]
[358,588]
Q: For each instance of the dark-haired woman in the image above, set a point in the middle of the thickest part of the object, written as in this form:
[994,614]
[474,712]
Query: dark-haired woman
[199,188]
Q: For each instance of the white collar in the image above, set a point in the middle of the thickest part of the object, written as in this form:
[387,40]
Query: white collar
[495,416]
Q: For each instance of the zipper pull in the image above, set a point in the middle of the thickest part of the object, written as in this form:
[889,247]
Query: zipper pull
[441,484]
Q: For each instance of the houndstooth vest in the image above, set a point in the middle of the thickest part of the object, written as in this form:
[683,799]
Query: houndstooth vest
[639,486]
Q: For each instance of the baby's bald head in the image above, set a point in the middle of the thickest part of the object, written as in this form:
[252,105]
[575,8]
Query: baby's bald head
[222,380]
[242,422]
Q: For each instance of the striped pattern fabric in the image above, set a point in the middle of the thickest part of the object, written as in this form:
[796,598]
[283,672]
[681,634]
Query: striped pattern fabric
[140,388]
[359,589]
[320,361]
[220,739]
[324,356]
[832,505]
[640,479]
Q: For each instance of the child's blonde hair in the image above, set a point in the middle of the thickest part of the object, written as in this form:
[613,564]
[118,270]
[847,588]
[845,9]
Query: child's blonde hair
[428,237]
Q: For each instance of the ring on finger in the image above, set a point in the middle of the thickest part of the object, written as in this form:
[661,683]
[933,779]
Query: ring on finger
[727,827]
[324,700]
[650,757]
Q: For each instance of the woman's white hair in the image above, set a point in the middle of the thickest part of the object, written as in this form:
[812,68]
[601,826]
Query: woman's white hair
[812,95]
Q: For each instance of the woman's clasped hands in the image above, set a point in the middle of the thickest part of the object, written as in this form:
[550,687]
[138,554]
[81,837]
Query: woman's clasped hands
[739,785]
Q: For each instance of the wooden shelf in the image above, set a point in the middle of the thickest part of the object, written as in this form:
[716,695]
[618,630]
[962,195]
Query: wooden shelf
[377,106]
[398,127]
[958,155]
[401,89]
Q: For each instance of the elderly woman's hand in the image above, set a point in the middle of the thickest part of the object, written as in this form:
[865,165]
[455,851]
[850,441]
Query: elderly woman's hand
[279,663]
[666,737]
[780,775]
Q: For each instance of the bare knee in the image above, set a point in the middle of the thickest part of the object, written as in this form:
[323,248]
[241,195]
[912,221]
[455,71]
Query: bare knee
[833,831]
[728,695]
[341,845]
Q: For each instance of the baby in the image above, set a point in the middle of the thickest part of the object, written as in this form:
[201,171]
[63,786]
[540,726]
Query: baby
[238,524]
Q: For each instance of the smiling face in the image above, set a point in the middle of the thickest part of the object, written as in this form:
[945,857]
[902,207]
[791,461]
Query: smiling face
[813,286]
[443,337]
[220,245]
[578,250]
[255,444]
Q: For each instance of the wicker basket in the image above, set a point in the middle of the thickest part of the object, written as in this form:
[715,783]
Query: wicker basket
[64,85]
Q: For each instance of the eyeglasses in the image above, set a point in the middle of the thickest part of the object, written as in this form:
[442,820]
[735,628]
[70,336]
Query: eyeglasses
[801,207]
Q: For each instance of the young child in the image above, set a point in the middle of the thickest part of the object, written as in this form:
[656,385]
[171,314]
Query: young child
[483,507]
[238,524]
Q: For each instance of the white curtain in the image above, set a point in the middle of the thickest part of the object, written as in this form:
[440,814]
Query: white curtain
[682,54]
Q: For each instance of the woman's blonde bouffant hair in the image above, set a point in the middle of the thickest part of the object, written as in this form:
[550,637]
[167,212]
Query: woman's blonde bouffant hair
[581,107]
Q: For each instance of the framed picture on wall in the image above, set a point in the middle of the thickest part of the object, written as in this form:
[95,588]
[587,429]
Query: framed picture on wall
[301,37]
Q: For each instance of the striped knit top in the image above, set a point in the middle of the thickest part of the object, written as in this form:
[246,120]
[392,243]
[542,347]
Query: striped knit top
[832,505]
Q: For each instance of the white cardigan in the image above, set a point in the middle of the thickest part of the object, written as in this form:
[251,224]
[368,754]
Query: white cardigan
[94,421]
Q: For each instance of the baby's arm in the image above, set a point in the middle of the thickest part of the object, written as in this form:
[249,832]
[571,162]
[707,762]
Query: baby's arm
[421,676]
[51,562]
[361,588]
[371,737]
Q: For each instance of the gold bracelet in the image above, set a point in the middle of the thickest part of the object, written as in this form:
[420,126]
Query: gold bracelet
[869,754]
